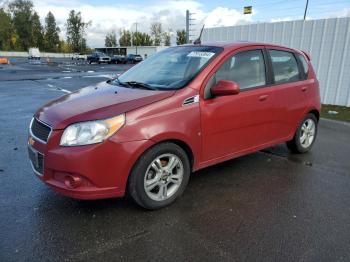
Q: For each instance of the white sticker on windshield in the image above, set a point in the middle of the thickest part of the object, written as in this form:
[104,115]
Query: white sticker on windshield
[199,54]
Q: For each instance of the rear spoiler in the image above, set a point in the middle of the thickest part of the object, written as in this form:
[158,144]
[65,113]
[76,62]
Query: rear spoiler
[307,55]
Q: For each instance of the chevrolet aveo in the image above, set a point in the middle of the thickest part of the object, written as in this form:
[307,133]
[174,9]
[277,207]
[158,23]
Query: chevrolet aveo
[183,109]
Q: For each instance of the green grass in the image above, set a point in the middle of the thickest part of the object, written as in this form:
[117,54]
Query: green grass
[343,112]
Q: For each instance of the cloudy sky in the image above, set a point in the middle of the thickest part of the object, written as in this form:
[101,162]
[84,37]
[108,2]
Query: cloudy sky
[108,15]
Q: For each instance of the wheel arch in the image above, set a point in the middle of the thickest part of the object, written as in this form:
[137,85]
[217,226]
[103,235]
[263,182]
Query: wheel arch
[316,113]
[179,142]
[182,144]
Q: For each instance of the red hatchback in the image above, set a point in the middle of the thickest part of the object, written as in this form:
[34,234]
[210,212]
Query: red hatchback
[183,109]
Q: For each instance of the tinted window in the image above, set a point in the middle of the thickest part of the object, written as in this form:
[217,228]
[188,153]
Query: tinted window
[285,67]
[245,68]
[304,65]
[171,68]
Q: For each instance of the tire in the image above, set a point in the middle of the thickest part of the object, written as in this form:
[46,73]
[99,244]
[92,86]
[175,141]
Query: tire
[162,190]
[89,62]
[308,128]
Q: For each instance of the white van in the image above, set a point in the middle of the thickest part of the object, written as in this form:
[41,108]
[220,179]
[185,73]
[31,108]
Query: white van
[34,53]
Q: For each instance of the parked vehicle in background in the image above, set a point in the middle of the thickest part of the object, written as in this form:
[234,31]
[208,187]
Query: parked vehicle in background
[118,59]
[34,53]
[181,110]
[78,56]
[4,61]
[133,59]
[98,57]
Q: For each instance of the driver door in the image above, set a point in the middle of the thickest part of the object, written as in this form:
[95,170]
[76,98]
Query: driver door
[235,124]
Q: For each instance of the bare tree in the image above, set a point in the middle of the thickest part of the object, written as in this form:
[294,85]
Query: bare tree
[111,39]
[156,33]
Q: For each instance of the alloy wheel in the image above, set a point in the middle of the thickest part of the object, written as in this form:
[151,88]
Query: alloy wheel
[163,177]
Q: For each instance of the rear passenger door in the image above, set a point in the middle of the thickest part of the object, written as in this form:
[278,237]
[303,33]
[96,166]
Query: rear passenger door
[290,93]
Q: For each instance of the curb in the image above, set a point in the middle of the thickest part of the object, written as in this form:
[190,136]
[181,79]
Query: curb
[335,121]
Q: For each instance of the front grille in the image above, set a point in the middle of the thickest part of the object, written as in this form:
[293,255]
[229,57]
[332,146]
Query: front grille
[40,130]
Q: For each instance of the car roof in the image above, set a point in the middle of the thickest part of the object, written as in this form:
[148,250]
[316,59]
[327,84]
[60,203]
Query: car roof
[238,44]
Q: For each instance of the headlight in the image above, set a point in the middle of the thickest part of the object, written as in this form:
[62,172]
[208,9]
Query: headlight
[91,132]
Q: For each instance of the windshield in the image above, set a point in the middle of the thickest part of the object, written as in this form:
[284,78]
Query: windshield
[172,68]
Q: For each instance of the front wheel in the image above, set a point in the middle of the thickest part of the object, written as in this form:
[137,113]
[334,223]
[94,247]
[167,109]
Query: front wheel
[305,135]
[159,176]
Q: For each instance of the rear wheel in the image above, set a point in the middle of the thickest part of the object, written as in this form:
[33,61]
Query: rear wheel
[159,176]
[305,135]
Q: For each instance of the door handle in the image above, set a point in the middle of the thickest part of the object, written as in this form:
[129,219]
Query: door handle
[263,97]
[304,88]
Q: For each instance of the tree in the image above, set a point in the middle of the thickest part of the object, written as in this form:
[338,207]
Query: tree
[125,38]
[180,37]
[8,35]
[146,40]
[52,40]
[22,12]
[37,32]
[76,31]
[141,39]
[156,33]
[111,39]
[166,38]
[63,47]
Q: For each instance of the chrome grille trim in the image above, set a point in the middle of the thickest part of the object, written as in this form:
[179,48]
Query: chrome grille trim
[35,137]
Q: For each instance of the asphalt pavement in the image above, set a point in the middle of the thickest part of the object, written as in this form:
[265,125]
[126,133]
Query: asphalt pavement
[268,206]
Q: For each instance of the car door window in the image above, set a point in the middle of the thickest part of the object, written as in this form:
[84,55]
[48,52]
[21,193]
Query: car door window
[285,67]
[246,68]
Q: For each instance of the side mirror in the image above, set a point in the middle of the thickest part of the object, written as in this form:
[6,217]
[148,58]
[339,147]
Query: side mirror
[225,88]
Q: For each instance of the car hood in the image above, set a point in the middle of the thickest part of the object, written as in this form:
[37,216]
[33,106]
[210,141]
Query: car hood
[96,102]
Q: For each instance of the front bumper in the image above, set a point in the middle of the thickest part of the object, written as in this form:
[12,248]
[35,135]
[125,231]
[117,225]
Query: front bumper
[90,171]
[106,60]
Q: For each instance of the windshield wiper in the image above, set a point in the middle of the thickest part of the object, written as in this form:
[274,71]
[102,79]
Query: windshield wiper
[139,84]
[121,83]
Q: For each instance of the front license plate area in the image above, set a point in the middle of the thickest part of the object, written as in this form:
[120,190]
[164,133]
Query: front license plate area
[36,160]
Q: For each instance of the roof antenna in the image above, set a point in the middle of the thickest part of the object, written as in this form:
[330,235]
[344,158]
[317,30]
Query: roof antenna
[198,41]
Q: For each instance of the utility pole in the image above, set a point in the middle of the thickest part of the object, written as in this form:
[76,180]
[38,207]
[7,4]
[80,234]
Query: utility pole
[187,26]
[307,3]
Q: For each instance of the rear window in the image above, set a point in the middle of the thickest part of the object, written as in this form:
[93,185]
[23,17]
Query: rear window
[285,66]
[304,65]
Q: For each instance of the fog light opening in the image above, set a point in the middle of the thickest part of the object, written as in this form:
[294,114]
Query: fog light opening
[72,181]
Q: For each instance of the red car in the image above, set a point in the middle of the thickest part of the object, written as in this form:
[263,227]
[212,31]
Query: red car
[183,109]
